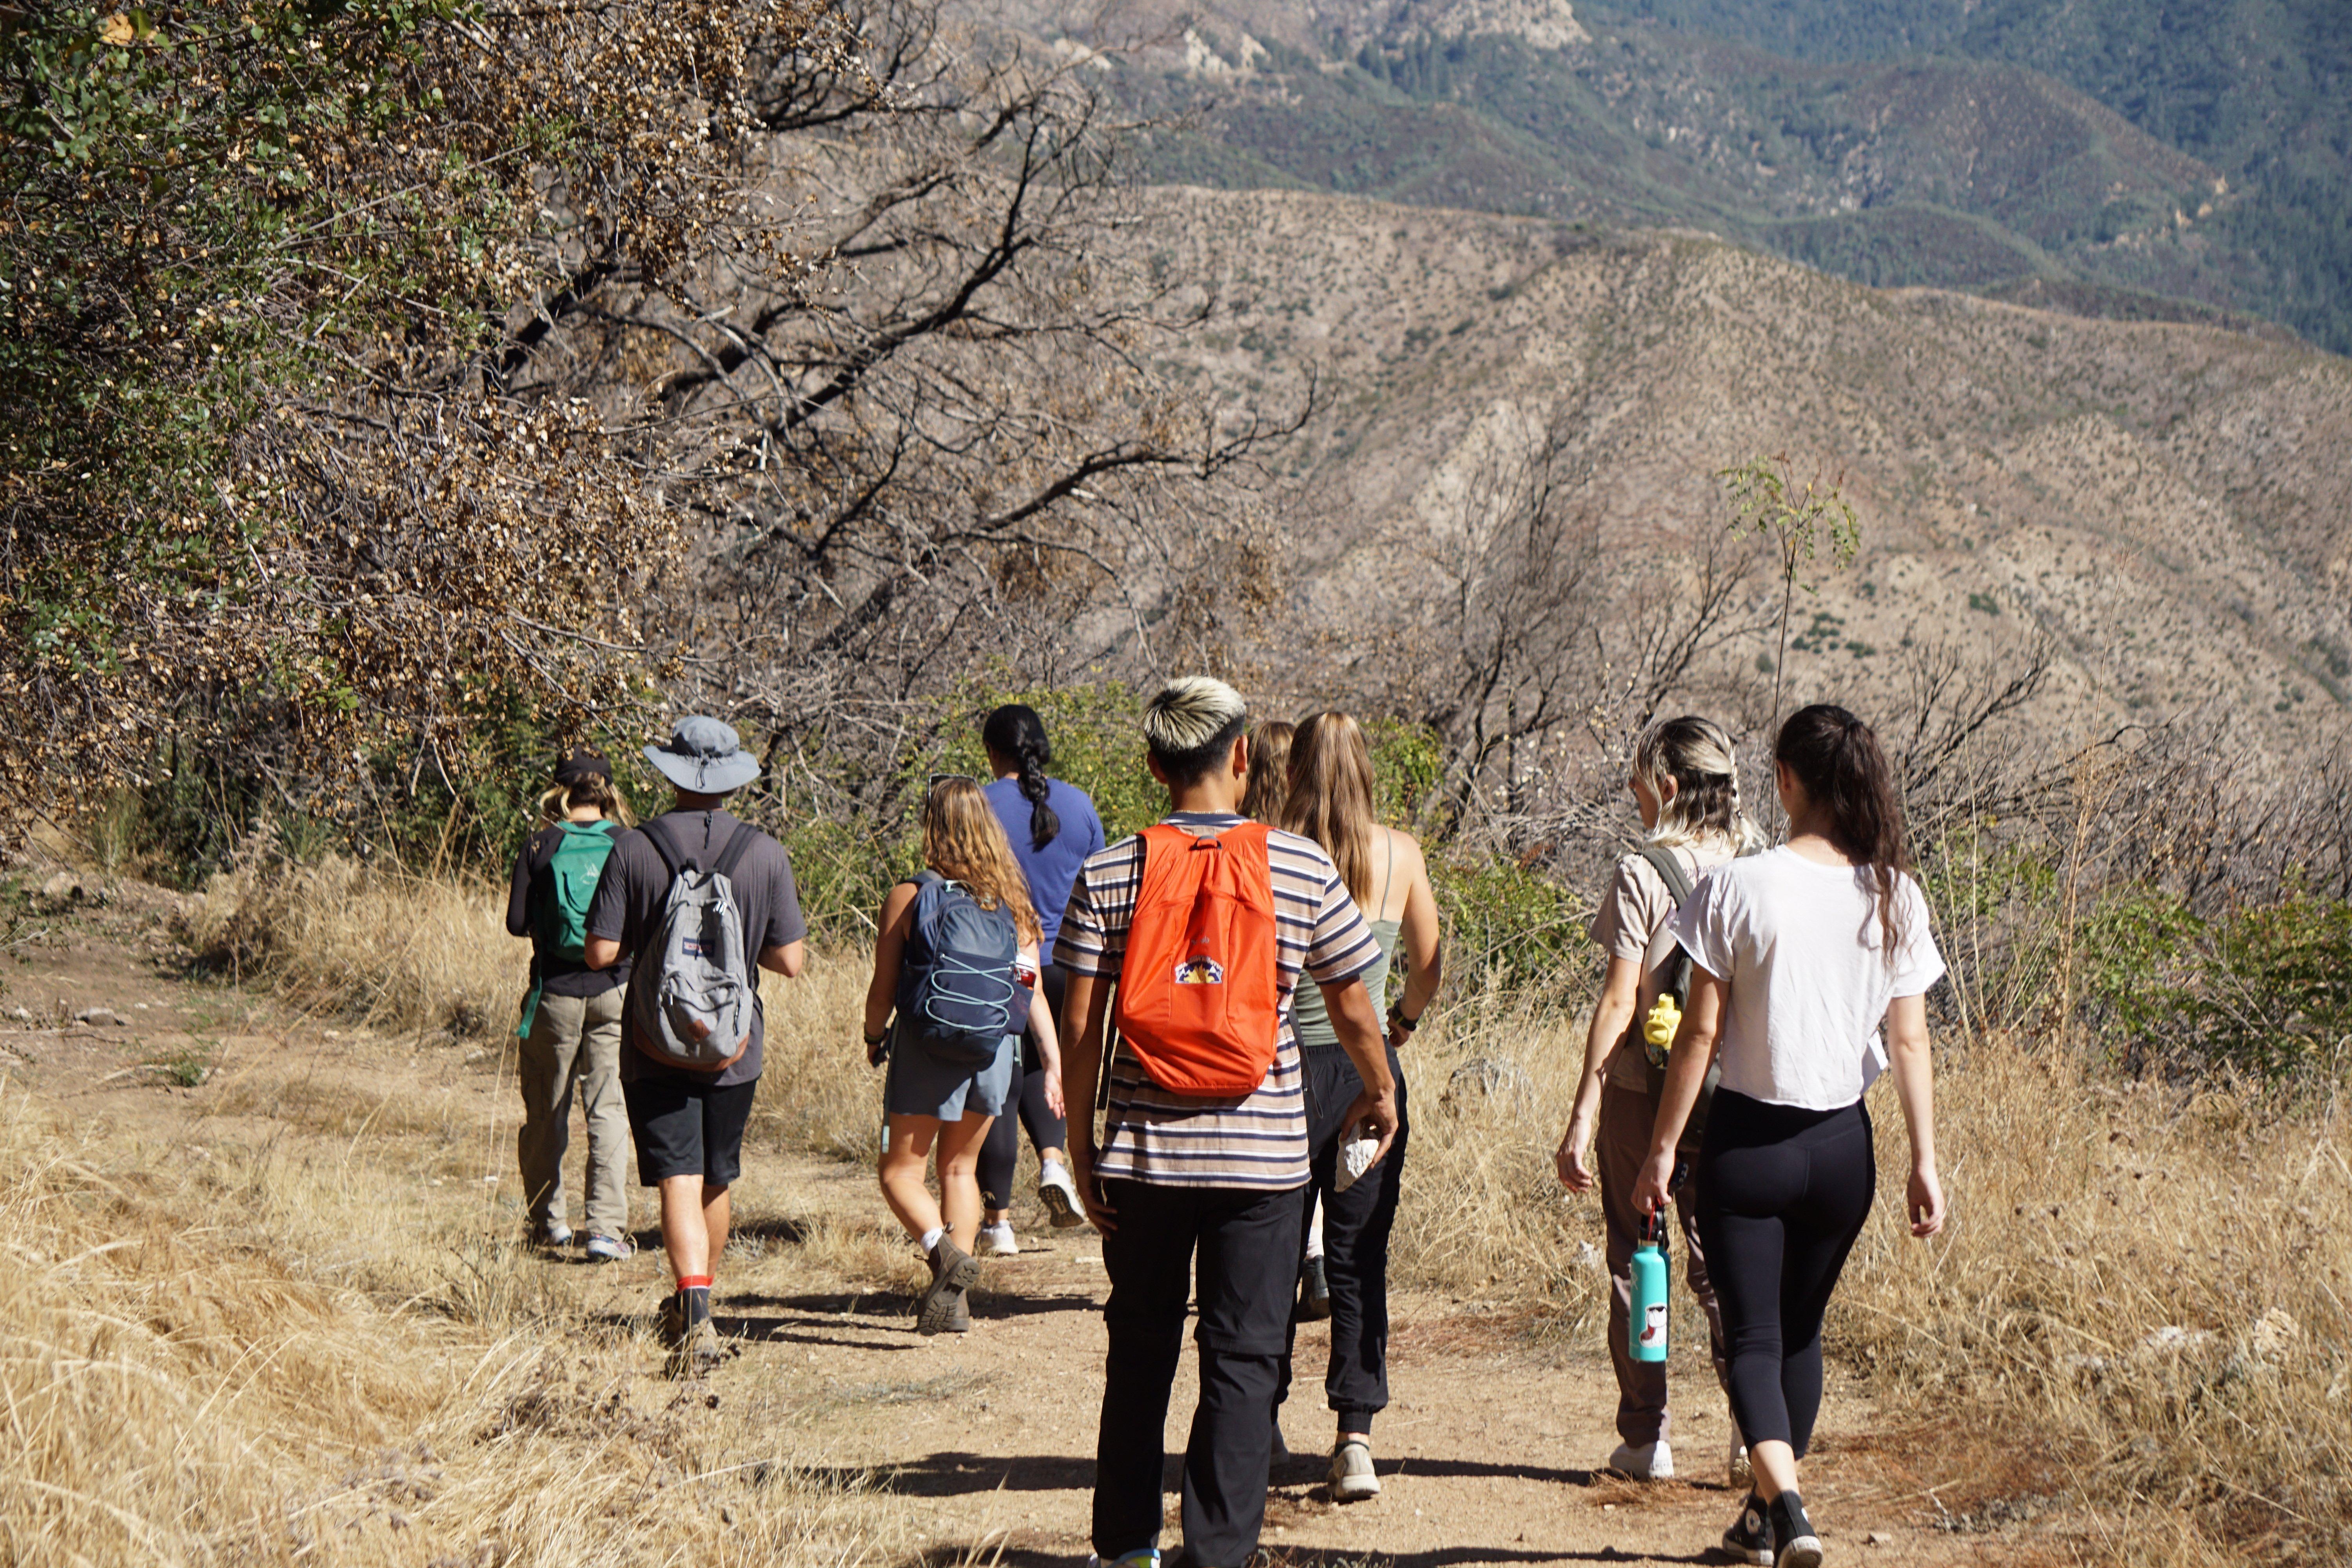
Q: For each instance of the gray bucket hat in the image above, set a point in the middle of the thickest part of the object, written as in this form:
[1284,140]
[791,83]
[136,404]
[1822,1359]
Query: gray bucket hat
[704,756]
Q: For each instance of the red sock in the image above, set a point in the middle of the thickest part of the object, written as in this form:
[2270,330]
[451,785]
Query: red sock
[694,1281]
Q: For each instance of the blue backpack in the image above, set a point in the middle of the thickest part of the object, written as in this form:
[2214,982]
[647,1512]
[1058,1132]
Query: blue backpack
[956,985]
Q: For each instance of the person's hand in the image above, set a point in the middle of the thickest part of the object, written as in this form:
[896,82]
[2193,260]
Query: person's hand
[1053,1101]
[1082,1176]
[1378,1116]
[1926,1201]
[1568,1158]
[1652,1187]
[876,1049]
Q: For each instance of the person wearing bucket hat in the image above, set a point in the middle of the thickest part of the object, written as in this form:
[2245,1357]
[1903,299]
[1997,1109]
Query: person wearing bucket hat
[689,1113]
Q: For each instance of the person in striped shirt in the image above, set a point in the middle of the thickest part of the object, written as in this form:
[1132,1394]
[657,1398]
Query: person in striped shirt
[1173,1175]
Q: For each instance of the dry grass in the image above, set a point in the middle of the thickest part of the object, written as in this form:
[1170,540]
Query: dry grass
[2147,1282]
[313,1378]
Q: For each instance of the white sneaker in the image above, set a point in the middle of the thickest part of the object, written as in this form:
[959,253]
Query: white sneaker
[1742,1473]
[997,1241]
[1060,1196]
[1645,1461]
[1352,1477]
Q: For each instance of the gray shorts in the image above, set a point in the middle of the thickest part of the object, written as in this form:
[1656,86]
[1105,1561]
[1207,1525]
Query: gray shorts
[919,1084]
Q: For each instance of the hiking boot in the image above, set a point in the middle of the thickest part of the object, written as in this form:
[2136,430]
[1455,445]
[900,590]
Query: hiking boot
[998,1241]
[551,1234]
[608,1248]
[960,1316]
[1314,1292]
[698,1353]
[1749,1539]
[1643,1461]
[1741,1472]
[1352,1477]
[1060,1196]
[953,1270]
[1792,1533]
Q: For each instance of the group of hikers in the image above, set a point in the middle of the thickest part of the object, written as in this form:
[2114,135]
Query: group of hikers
[1248,1162]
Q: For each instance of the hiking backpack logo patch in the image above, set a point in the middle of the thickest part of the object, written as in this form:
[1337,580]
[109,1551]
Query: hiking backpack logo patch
[1200,970]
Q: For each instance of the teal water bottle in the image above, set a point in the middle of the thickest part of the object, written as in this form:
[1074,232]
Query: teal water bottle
[1645,1328]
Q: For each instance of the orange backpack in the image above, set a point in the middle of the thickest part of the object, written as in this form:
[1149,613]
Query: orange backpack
[1199,999]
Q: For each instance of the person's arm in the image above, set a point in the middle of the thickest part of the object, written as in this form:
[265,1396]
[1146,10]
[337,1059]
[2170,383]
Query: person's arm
[1049,1044]
[787,959]
[1419,936]
[600,951]
[1357,1025]
[1910,1064]
[519,894]
[889,951]
[1612,1013]
[1088,1000]
[1695,1044]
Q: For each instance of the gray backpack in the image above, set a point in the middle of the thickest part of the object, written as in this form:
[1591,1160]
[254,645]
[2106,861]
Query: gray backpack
[694,1008]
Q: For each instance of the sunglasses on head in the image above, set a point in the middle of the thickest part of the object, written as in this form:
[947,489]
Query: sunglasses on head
[938,779]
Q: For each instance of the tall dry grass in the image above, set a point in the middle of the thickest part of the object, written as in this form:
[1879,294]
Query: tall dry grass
[2144,1286]
[210,1357]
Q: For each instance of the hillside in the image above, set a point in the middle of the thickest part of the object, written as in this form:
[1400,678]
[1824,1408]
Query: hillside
[2172,503]
[1946,157]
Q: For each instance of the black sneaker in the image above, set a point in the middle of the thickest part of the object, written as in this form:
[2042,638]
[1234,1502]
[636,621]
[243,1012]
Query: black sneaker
[1749,1539]
[1314,1292]
[1793,1532]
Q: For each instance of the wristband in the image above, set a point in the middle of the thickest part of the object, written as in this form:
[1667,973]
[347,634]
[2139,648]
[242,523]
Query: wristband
[877,1039]
[1396,1016]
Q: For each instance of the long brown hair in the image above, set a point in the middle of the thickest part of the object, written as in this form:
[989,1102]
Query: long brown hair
[1838,760]
[963,842]
[1269,774]
[556,801]
[1331,794]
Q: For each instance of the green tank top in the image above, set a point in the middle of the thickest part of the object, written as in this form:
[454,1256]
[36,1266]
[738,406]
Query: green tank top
[1309,1019]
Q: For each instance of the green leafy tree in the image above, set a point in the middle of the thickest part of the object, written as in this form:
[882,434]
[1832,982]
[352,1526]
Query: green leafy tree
[1797,519]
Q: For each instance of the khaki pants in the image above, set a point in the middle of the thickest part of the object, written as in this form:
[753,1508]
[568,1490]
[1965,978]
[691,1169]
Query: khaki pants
[1621,1143]
[574,1043]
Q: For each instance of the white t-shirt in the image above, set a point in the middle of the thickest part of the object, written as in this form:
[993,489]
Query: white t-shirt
[1800,945]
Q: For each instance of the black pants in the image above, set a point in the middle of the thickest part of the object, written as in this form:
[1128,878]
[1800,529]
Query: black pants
[1783,1196]
[1356,1227]
[1001,1154]
[1248,1249]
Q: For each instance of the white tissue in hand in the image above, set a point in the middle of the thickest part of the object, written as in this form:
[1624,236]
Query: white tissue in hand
[1356,1157]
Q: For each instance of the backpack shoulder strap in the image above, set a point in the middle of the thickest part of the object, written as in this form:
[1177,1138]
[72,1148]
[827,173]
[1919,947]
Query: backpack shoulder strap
[666,845]
[1663,861]
[738,845]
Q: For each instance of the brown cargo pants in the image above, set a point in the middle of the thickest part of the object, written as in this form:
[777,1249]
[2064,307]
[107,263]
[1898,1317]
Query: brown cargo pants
[1621,1143]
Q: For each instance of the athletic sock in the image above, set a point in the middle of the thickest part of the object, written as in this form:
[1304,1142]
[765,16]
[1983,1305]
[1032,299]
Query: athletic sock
[695,1290]
[931,1237]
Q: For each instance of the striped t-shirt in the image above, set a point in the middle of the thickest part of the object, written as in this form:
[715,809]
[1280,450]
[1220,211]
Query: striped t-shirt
[1179,1140]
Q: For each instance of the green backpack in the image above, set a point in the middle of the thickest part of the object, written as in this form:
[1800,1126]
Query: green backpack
[572,874]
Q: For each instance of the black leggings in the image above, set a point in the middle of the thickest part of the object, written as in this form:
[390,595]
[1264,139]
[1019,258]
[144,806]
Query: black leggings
[1783,1196]
[1001,1154]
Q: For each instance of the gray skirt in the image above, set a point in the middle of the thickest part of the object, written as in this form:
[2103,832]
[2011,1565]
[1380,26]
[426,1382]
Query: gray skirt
[919,1084]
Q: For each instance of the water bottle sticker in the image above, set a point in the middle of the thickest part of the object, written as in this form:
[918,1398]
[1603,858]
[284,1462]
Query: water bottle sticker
[1653,1324]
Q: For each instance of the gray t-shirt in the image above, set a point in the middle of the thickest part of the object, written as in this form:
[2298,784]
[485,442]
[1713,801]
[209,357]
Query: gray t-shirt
[635,885]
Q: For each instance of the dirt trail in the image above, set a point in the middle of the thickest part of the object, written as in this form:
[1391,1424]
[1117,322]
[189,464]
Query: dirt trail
[1488,1453]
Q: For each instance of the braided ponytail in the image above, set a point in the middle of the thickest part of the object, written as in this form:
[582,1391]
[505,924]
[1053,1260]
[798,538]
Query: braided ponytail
[1015,734]
[1837,759]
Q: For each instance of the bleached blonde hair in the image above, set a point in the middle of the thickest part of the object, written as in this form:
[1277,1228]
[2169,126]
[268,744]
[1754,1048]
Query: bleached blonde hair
[1696,754]
[1188,722]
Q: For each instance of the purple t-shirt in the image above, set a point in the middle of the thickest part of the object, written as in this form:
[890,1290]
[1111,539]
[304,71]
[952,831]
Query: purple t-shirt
[1051,869]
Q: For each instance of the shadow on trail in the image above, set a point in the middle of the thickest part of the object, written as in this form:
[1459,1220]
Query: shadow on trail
[973,1475]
